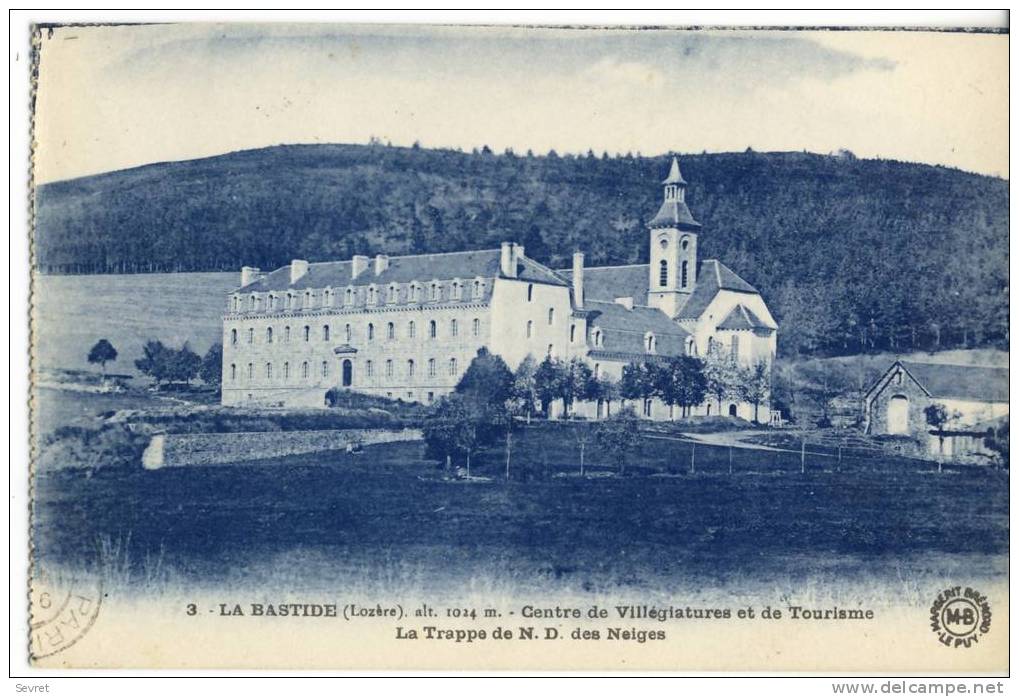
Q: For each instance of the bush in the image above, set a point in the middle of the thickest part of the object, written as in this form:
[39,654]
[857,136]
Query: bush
[80,447]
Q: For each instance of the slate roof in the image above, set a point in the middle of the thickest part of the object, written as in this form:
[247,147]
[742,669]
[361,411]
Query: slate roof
[949,381]
[404,269]
[674,213]
[611,282]
[712,276]
[623,330]
[742,317]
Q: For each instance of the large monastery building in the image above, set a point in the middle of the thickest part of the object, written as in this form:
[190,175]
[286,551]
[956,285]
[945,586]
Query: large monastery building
[407,327]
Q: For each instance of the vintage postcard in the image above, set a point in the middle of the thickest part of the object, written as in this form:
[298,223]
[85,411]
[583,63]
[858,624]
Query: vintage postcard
[519,348]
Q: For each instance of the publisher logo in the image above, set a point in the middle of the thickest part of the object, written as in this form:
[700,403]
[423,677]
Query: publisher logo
[960,616]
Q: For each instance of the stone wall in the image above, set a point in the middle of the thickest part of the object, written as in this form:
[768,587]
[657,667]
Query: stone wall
[200,449]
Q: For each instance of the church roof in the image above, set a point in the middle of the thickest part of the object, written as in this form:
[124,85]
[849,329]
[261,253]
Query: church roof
[712,276]
[623,330]
[611,282]
[949,381]
[742,317]
[674,213]
[404,269]
[674,175]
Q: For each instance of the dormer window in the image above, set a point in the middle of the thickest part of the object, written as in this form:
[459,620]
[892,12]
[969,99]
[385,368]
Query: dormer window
[371,295]
[254,302]
[477,289]
[650,343]
[415,292]
[457,290]
[290,301]
[348,297]
[327,298]
[434,292]
[307,299]
[393,293]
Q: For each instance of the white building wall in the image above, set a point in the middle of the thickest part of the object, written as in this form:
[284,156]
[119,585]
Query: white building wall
[511,311]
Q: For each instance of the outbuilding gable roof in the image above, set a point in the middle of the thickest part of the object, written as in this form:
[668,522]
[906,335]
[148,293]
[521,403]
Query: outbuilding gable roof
[712,276]
[949,381]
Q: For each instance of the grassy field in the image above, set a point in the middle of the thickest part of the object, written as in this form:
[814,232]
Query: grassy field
[387,517]
[71,313]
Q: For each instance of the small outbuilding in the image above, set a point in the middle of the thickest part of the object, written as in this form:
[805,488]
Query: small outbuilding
[972,396]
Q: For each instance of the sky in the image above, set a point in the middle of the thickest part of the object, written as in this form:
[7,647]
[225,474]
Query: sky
[116,97]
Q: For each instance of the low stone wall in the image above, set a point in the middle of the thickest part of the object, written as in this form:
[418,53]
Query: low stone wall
[199,449]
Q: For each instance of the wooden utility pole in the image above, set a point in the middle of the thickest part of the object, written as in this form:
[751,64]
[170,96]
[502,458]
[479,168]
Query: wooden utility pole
[693,449]
[730,459]
[803,456]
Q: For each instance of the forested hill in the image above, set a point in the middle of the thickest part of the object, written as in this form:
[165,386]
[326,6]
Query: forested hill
[850,254]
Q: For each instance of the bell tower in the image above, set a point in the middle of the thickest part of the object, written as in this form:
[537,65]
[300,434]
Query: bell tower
[672,272]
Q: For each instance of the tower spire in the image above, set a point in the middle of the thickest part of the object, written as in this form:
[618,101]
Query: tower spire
[674,175]
[673,211]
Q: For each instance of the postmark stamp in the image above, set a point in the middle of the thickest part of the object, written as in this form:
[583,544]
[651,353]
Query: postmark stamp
[63,610]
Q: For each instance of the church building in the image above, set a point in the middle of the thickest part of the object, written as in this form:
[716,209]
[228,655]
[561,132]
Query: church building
[406,327]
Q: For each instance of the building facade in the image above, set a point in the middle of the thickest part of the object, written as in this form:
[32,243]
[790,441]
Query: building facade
[407,327]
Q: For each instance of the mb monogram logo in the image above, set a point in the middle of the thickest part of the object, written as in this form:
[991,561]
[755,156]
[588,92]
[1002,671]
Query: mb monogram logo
[960,616]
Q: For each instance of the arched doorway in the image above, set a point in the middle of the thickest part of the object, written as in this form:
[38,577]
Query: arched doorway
[898,414]
[348,373]
[732,410]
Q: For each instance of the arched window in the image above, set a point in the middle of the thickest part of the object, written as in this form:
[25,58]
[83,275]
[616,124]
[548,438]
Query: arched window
[327,298]
[551,316]
[307,333]
[286,335]
[597,370]
[596,338]
[371,331]
[691,347]
[268,371]
[477,289]
[551,350]
[286,370]
[530,292]
[433,329]
[573,333]
[392,293]
[456,290]
[307,299]
[452,366]
[251,371]
[254,302]
[663,273]
[347,372]
[390,331]
[233,337]
[233,372]
[348,296]
[290,300]
[346,333]
[371,295]
[410,368]
[433,293]
[369,369]
[268,335]
[431,367]
[251,335]
[650,342]
[389,368]
[304,369]
[453,329]
[530,328]
[325,369]
[683,273]
[325,332]
[411,329]
[476,327]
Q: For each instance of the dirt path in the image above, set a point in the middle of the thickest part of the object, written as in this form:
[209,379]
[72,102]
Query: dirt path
[733,439]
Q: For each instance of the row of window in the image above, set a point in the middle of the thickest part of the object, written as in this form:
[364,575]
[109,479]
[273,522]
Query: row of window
[348,332]
[663,273]
[373,295]
[452,368]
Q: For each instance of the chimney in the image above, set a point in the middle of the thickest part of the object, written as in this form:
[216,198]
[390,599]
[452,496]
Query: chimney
[625,302]
[381,263]
[298,268]
[578,279]
[359,264]
[508,261]
[249,274]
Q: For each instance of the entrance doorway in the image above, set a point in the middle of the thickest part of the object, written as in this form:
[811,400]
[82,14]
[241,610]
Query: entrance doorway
[898,415]
[348,373]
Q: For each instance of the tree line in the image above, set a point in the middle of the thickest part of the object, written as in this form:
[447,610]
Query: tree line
[901,255]
[165,364]
[489,396]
